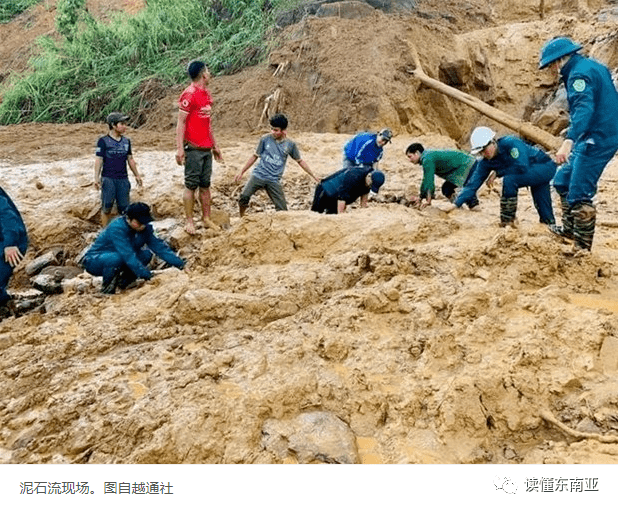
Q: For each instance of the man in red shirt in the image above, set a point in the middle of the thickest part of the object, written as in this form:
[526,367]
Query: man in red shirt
[196,144]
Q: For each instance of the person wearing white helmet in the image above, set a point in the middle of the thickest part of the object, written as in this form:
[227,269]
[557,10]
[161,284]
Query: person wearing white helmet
[519,164]
[591,139]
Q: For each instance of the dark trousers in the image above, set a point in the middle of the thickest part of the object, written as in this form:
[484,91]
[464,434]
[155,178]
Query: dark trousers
[110,264]
[323,203]
[577,179]
[6,270]
[537,178]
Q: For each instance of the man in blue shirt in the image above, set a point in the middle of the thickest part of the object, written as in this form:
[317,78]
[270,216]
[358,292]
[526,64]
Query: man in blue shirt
[366,149]
[13,243]
[118,254]
[273,151]
[113,153]
[591,140]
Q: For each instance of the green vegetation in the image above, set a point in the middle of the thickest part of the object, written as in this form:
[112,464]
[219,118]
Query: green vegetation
[11,8]
[123,65]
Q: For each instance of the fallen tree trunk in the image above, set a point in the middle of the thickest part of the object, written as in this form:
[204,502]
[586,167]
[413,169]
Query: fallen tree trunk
[524,129]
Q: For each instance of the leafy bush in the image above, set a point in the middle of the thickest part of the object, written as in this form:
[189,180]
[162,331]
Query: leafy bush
[99,67]
[11,8]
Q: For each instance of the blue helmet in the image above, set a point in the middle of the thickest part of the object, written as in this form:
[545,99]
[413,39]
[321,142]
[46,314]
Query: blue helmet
[557,48]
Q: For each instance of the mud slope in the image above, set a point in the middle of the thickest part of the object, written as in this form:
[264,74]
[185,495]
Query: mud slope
[434,338]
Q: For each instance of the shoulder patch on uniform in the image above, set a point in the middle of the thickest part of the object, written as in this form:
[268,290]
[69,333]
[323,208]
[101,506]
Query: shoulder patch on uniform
[579,85]
[514,153]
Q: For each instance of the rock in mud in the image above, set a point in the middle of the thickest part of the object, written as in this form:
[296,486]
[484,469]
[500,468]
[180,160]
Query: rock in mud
[47,259]
[311,437]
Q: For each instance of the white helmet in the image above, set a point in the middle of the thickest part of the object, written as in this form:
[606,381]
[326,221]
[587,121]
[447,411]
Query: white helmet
[480,137]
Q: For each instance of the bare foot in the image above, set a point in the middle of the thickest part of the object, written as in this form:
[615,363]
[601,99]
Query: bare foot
[190,227]
[210,224]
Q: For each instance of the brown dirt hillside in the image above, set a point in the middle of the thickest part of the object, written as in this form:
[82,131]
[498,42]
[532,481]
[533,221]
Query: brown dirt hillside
[382,335]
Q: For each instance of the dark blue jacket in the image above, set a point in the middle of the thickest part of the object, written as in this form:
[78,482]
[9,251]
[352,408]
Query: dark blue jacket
[363,149]
[513,156]
[347,184]
[593,101]
[120,238]
[12,228]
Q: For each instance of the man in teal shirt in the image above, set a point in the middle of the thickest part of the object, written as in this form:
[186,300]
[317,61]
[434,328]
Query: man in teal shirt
[451,165]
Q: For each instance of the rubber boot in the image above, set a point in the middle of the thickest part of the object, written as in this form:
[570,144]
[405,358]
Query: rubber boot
[109,287]
[566,229]
[126,278]
[508,210]
[584,222]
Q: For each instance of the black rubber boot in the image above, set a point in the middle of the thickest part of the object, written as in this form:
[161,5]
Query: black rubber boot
[508,210]
[584,222]
[109,287]
[126,278]
[566,230]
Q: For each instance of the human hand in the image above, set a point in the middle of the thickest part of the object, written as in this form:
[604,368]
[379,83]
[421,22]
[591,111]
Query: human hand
[180,156]
[564,152]
[238,177]
[490,180]
[217,154]
[139,181]
[97,184]
[13,256]
[414,201]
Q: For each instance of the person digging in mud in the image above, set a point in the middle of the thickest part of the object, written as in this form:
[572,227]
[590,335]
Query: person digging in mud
[519,164]
[272,150]
[113,153]
[455,167]
[196,145]
[336,191]
[591,139]
[366,149]
[14,243]
[119,254]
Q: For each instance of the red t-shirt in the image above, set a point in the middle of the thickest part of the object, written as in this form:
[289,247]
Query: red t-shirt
[197,130]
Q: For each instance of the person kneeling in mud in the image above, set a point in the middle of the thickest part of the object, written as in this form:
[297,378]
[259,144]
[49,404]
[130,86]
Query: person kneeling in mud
[455,167]
[119,254]
[336,191]
[519,164]
[13,245]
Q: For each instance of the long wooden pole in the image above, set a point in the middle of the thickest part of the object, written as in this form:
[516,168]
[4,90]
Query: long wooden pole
[525,129]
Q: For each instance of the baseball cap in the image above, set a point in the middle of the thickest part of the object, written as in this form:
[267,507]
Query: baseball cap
[116,117]
[386,134]
[139,211]
[377,180]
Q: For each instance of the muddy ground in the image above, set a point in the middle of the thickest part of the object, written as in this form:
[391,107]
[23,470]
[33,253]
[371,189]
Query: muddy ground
[383,335]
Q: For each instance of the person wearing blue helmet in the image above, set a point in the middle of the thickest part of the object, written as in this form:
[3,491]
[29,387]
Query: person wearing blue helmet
[591,139]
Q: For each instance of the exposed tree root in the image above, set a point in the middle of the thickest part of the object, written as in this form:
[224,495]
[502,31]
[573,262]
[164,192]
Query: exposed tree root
[606,439]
